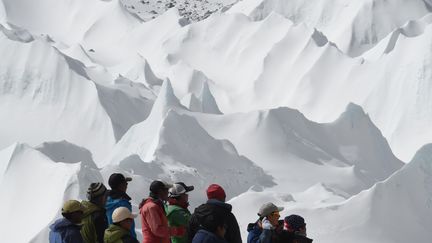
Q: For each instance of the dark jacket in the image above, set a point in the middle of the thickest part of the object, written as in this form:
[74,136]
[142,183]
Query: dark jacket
[290,237]
[116,234]
[115,200]
[94,223]
[64,231]
[213,206]
[204,236]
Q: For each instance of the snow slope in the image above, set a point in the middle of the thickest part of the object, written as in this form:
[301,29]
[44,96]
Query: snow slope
[35,187]
[395,210]
[71,21]
[40,84]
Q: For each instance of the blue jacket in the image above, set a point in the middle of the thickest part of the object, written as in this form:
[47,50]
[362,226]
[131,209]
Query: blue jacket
[115,200]
[254,233]
[64,231]
[204,236]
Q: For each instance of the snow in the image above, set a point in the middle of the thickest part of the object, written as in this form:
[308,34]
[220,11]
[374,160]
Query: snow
[35,187]
[355,26]
[323,107]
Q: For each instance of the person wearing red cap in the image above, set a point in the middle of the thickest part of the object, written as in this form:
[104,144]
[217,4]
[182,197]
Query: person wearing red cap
[215,205]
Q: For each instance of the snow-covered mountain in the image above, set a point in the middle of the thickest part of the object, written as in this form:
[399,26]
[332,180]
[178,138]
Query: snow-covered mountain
[355,26]
[348,155]
[190,10]
[310,104]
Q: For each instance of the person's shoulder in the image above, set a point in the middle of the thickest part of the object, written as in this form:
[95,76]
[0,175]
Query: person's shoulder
[301,239]
[129,239]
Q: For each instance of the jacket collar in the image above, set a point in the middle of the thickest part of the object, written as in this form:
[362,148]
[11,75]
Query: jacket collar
[116,194]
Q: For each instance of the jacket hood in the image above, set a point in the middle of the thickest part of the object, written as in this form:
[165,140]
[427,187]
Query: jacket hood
[90,208]
[61,224]
[220,204]
[114,233]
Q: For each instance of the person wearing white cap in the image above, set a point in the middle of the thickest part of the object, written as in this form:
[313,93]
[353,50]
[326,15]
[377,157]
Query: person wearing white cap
[263,229]
[177,211]
[119,230]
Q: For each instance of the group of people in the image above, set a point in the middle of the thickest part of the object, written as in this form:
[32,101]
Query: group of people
[106,217]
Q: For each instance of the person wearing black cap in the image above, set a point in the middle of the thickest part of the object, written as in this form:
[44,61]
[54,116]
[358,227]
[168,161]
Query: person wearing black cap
[154,222]
[117,197]
[177,212]
[94,222]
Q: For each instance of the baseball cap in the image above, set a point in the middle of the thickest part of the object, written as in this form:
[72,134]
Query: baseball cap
[117,179]
[268,208]
[178,189]
[72,206]
[122,213]
[157,185]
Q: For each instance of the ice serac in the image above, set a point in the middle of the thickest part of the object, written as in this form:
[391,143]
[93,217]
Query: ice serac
[203,102]
[294,67]
[126,104]
[27,175]
[41,85]
[349,154]
[142,138]
[355,26]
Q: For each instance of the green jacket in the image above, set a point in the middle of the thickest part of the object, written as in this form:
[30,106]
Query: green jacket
[94,223]
[116,234]
[178,216]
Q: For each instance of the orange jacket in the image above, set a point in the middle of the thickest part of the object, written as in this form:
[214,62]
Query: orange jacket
[154,222]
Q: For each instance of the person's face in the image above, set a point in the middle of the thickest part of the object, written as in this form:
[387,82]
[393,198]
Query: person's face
[303,230]
[164,194]
[123,187]
[126,224]
[184,199]
[274,218]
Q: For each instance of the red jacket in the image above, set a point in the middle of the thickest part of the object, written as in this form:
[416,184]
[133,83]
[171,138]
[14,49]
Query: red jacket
[155,223]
